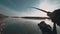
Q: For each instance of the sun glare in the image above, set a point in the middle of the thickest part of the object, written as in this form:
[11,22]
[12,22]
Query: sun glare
[46,6]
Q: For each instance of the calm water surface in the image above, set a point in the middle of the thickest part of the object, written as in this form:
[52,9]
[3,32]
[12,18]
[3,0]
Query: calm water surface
[23,26]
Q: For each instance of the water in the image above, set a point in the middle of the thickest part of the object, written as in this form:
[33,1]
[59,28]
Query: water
[23,26]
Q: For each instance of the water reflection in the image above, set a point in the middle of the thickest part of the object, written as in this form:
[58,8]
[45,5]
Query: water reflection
[22,26]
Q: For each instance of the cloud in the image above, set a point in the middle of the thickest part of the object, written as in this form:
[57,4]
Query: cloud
[7,11]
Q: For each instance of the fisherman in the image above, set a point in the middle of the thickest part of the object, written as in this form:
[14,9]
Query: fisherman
[45,28]
[55,16]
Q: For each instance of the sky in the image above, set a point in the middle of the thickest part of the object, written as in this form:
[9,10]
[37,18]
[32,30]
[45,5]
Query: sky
[12,7]
[22,7]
